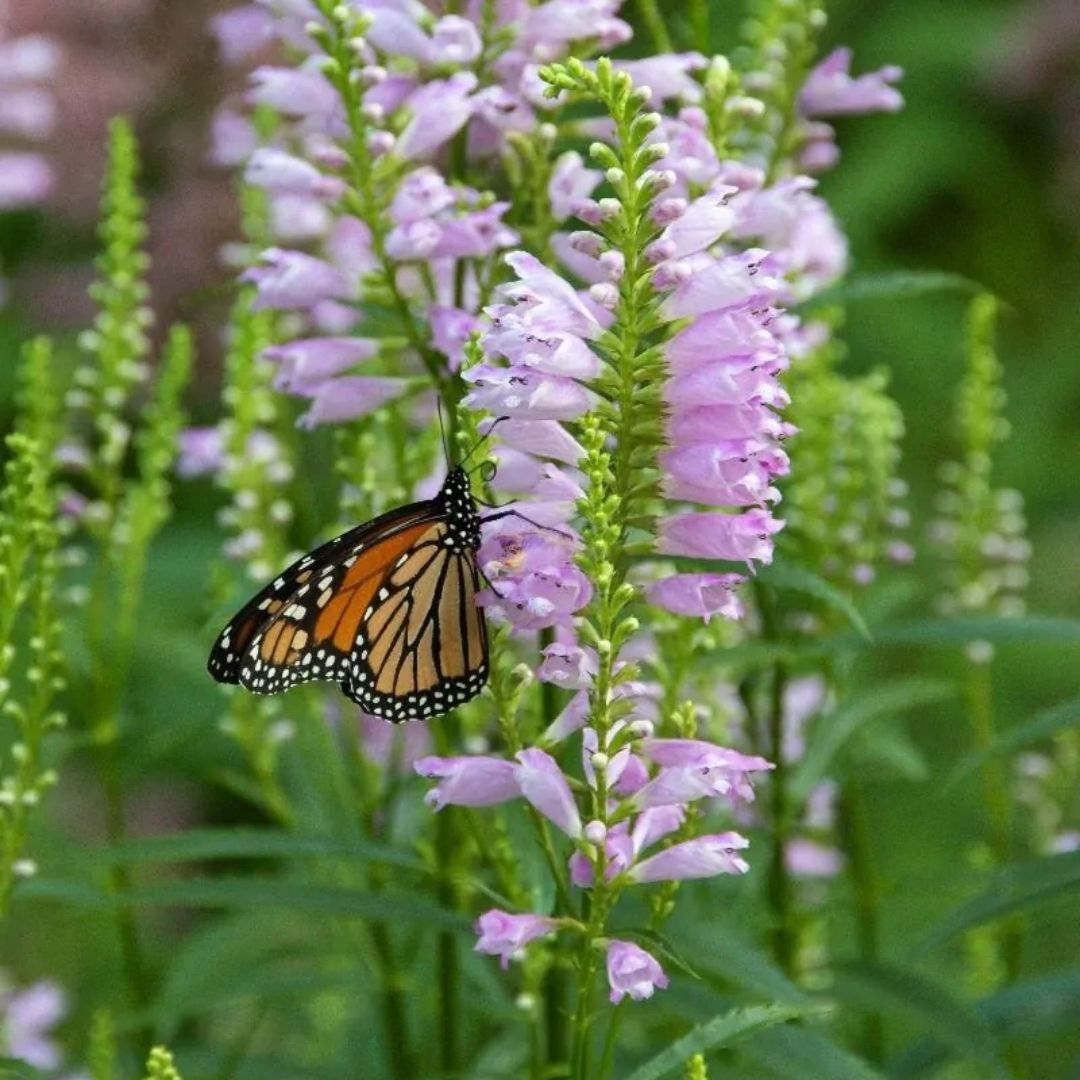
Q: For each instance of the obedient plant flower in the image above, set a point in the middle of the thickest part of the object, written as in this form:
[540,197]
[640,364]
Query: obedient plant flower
[469,781]
[28,1019]
[632,971]
[27,114]
[505,935]
[831,90]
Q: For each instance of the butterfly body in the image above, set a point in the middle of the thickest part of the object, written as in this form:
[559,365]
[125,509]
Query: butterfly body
[387,610]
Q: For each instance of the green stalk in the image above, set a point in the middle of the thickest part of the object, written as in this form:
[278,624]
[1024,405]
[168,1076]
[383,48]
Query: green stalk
[653,19]
[699,25]
[778,881]
[857,838]
[447,845]
[978,691]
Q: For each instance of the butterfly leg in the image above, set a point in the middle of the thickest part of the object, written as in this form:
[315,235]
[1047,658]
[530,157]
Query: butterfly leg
[534,524]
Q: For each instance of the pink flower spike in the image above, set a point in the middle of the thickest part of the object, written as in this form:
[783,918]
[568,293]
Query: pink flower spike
[469,781]
[503,934]
[631,970]
[541,782]
[702,857]
[699,595]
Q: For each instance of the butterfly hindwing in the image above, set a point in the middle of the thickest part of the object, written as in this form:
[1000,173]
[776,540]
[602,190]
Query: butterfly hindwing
[423,650]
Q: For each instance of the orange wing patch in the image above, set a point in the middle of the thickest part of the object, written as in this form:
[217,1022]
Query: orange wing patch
[343,609]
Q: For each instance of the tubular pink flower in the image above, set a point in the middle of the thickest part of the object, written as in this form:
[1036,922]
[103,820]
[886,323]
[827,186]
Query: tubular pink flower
[705,856]
[503,934]
[735,537]
[303,365]
[830,89]
[699,595]
[350,396]
[469,781]
[440,110]
[542,782]
[631,970]
[293,279]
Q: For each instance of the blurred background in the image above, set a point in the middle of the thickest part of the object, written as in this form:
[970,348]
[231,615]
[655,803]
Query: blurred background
[979,175]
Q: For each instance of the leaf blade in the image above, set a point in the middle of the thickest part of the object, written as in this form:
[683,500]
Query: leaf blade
[719,1032]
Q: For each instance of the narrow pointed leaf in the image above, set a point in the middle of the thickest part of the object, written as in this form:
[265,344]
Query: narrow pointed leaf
[788,576]
[1043,725]
[1013,889]
[833,730]
[720,1032]
[892,990]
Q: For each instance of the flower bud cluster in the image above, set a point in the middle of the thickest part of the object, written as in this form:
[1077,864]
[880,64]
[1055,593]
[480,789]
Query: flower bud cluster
[846,514]
[980,534]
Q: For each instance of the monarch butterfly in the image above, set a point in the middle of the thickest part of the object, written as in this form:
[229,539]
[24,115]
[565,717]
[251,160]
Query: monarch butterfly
[388,610]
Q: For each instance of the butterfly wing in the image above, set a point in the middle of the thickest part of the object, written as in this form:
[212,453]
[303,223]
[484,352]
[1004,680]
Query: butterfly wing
[422,648]
[294,630]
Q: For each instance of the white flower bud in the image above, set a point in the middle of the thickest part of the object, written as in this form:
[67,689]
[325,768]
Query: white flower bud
[596,832]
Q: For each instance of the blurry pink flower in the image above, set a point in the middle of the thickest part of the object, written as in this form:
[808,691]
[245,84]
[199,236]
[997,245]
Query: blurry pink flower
[503,934]
[469,781]
[631,970]
[830,89]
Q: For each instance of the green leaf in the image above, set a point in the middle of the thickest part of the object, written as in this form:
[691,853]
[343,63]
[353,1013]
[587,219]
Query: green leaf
[1041,726]
[1035,1007]
[1012,889]
[893,990]
[10,1069]
[892,285]
[737,962]
[801,1053]
[256,892]
[832,731]
[200,844]
[720,1032]
[1031,629]
[787,576]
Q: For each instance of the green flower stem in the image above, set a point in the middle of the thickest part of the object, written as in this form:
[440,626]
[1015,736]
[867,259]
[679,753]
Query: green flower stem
[364,199]
[778,880]
[448,845]
[978,692]
[857,839]
[699,25]
[621,439]
[653,19]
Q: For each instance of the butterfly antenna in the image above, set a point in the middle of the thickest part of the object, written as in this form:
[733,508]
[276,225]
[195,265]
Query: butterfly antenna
[480,441]
[442,432]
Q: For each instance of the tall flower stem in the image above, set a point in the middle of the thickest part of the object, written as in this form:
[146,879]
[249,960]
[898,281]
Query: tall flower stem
[779,890]
[363,197]
[620,440]
[856,836]
[447,961]
[653,19]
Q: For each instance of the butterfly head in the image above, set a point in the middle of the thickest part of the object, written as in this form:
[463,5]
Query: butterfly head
[456,501]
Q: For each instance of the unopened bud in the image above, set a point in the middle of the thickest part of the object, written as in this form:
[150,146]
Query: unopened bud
[596,832]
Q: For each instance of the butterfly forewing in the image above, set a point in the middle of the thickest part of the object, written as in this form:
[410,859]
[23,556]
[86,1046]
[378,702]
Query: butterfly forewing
[387,609]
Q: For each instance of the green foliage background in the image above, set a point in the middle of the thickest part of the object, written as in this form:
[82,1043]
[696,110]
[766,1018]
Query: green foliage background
[960,181]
